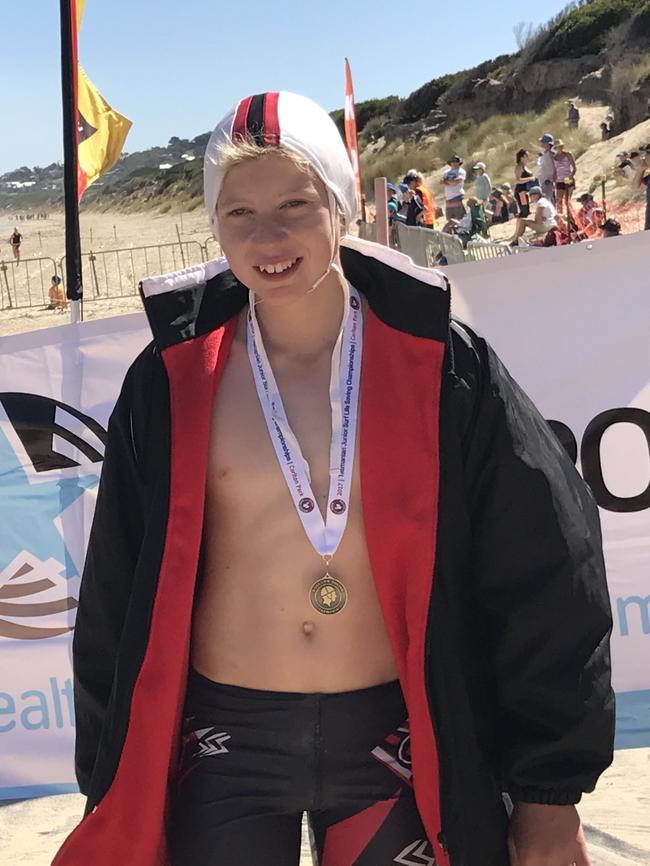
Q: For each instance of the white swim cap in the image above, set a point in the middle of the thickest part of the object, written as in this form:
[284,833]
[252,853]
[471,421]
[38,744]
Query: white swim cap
[294,122]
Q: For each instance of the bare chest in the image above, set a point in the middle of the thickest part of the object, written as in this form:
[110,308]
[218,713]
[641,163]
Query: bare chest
[243,465]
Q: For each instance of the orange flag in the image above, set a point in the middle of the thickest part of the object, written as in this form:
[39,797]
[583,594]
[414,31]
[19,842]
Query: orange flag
[351,130]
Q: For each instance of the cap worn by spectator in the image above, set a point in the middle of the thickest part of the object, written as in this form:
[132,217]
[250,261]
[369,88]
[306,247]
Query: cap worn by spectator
[585,197]
[547,138]
[479,165]
[403,187]
[535,190]
[390,186]
[455,158]
[611,228]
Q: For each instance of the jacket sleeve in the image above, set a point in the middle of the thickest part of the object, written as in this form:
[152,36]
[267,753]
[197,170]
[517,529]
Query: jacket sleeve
[112,553]
[541,590]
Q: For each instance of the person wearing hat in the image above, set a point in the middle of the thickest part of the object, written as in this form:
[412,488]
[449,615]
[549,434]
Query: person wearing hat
[506,189]
[565,174]
[624,168]
[590,216]
[392,204]
[453,181]
[421,210]
[331,541]
[611,228]
[544,220]
[546,172]
[482,182]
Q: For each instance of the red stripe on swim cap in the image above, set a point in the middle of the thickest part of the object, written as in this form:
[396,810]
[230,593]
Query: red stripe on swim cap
[239,128]
[271,119]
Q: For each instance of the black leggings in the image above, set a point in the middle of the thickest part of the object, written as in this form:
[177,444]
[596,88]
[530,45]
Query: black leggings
[254,761]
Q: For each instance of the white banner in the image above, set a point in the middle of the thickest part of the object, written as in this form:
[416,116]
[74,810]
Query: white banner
[572,324]
[57,390]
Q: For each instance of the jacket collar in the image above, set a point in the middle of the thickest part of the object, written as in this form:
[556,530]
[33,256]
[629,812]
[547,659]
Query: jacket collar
[189,303]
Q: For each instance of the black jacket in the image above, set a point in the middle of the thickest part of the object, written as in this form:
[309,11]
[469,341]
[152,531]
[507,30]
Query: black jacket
[501,640]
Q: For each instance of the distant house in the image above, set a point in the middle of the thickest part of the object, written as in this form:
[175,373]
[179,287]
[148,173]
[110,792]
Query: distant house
[188,156]
[164,166]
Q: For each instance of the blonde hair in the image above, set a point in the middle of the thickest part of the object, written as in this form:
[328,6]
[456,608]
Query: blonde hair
[233,153]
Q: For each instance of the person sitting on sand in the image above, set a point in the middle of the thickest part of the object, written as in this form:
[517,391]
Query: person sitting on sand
[58,301]
[498,207]
[590,216]
[544,220]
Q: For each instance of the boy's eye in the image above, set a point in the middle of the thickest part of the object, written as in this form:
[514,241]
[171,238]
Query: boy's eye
[295,202]
[238,211]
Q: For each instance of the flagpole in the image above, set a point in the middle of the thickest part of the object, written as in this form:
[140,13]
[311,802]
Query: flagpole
[73,276]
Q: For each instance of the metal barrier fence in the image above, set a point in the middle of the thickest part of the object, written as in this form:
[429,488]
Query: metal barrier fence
[106,273]
[116,273]
[423,245]
[212,249]
[479,251]
[26,283]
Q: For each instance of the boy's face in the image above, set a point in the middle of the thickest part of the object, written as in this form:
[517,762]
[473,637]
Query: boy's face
[271,212]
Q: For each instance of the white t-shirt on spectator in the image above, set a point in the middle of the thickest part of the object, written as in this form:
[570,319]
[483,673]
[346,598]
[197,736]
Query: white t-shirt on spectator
[457,189]
[545,212]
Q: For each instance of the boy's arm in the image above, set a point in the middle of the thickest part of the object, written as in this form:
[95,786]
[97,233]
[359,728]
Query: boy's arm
[111,557]
[540,583]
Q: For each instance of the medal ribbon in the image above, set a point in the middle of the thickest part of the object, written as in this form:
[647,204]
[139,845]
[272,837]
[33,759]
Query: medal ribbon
[324,534]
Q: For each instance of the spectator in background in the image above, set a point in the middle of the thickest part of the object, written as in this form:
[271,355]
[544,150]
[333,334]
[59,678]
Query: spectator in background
[611,228]
[421,208]
[644,181]
[392,203]
[605,131]
[590,215]
[624,168]
[546,174]
[565,169]
[545,218]
[453,181]
[573,116]
[498,209]
[506,189]
[56,293]
[15,240]
[523,181]
[473,222]
[482,182]
[403,202]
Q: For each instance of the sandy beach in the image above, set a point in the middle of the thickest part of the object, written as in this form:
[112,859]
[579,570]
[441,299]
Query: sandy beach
[616,816]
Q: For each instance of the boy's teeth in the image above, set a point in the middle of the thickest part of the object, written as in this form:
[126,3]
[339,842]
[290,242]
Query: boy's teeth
[277,269]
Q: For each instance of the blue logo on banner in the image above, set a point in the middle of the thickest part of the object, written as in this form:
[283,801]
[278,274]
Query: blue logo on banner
[38,576]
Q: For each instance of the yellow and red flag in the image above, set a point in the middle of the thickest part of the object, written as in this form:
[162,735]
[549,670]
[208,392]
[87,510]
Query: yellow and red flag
[351,139]
[101,131]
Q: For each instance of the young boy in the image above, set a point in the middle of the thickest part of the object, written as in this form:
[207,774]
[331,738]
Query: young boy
[339,564]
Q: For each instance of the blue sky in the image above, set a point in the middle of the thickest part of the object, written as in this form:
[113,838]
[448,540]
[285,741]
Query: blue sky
[175,67]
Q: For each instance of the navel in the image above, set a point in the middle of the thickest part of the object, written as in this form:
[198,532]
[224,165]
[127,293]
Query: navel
[308,627]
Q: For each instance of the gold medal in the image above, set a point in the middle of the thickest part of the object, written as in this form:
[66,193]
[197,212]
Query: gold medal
[328,595]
